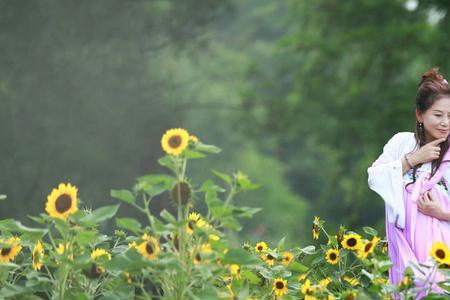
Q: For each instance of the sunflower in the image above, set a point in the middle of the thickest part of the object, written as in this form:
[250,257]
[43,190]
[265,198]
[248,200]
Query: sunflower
[280,286]
[181,193]
[261,247]
[440,253]
[235,270]
[9,249]
[351,241]
[332,256]
[62,202]
[149,248]
[315,228]
[174,141]
[368,247]
[37,255]
[287,258]
[100,252]
[268,258]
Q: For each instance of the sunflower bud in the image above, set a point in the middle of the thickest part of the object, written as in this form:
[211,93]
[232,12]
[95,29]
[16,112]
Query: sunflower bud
[181,193]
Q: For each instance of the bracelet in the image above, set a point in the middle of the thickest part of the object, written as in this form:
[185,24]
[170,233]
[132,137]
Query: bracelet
[407,161]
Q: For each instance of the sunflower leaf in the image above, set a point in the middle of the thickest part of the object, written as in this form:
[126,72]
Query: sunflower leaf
[207,148]
[370,231]
[167,162]
[191,154]
[222,176]
[240,257]
[124,195]
[101,214]
[129,223]
[15,226]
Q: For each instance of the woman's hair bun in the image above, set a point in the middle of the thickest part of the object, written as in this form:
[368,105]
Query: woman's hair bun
[431,75]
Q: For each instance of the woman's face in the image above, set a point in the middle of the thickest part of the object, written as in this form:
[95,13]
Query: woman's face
[436,120]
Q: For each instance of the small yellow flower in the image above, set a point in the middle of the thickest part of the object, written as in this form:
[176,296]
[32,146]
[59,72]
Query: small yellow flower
[353,281]
[306,288]
[268,258]
[280,286]
[132,245]
[235,270]
[351,241]
[37,256]
[367,247]
[301,277]
[440,253]
[10,249]
[174,141]
[323,283]
[315,228]
[205,248]
[287,258]
[193,139]
[64,250]
[62,202]
[261,247]
[127,277]
[149,248]
[214,237]
[332,256]
[194,219]
[100,252]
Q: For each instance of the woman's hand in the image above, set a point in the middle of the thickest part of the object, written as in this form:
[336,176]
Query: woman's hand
[426,153]
[431,207]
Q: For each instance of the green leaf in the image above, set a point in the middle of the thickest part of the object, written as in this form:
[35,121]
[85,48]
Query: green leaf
[12,225]
[231,223]
[191,154]
[250,276]
[168,216]
[123,195]
[309,249]
[207,148]
[281,243]
[129,223]
[222,176]
[167,162]
[86,237]
[245,212]
[370,231]
[101,214]
[298,267]
[240,257]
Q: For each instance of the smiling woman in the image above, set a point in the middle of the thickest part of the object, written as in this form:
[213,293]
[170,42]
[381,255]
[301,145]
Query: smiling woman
[412,175]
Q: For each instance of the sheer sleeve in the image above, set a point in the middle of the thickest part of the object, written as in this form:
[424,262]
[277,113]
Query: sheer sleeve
[386,178]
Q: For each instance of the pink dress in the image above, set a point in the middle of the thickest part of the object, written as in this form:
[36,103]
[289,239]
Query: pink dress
[410,233]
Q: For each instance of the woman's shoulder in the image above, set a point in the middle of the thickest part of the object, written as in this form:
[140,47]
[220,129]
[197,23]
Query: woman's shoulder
[403,136]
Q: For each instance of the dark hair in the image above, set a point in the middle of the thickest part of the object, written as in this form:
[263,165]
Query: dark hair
[431,88]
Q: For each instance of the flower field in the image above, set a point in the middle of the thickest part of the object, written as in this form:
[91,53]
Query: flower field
[188,254]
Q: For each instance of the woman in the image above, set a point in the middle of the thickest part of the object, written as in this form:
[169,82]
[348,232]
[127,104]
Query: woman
[412,176]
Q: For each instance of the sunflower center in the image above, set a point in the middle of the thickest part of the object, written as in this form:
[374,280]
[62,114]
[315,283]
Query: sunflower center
[197,257]
[260,248]
[333,256]
[440,253]
[5,251]
[367,247]
[175,141]
[351,242]
[270,257]
[149,248]
[191,224]
[63,203]
[279,285]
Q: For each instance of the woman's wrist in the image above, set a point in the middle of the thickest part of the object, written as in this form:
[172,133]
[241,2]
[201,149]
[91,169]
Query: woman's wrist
[409,160]
[445,215]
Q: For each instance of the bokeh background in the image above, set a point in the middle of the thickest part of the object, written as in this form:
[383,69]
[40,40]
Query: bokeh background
[300,95]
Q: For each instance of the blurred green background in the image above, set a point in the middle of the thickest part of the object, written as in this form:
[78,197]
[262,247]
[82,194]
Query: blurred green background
[300,95]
